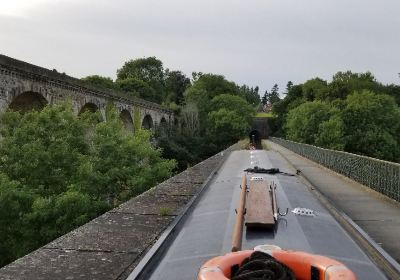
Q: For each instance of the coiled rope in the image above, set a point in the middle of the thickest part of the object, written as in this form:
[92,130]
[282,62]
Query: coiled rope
[261,266]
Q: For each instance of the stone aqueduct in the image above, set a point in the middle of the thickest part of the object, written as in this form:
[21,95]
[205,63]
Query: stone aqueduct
[24,86]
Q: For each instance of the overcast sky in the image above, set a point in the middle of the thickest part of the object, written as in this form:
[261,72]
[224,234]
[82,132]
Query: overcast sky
[256,42]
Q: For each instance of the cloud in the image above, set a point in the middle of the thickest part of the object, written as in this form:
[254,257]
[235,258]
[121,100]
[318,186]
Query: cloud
[257,42]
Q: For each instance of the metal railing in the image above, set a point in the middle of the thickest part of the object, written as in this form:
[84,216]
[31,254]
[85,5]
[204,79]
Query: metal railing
[379,175]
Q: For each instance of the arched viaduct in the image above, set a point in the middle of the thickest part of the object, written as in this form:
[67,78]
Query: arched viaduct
[24,86]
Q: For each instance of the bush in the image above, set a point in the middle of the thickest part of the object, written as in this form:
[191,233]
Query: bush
[58,171]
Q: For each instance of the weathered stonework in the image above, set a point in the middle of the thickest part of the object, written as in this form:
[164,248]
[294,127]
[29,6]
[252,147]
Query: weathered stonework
[23,84]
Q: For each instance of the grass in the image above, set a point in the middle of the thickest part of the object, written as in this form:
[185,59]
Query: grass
[165,211]
[264,115]
[152,191]
[264,145]
[244,144]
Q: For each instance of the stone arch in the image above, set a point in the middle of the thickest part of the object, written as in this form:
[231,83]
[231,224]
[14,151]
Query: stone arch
[163,126]
[147,122]
[91,107]
[163,122]
[126,119]
[28,101]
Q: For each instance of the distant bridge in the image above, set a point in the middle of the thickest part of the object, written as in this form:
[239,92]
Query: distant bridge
[24,87]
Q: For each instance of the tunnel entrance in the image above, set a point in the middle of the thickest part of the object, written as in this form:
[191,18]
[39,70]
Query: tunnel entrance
[255,139]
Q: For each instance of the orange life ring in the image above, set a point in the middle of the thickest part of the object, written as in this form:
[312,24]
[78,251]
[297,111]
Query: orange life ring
[301,263]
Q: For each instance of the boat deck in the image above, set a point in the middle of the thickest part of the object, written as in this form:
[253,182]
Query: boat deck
[207,230]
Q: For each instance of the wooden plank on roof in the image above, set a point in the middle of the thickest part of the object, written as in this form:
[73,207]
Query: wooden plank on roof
[259,211]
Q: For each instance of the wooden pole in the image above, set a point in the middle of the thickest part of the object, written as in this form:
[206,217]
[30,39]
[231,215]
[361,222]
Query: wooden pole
[238,228]
[274,201]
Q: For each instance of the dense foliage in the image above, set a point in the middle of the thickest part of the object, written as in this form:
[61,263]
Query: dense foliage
[229,118]
[58,171]
[216,113]
[211,111]
[353,112]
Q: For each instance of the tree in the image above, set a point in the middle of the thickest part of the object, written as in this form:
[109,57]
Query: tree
[229,119]
[293,98]
[182,148]
[50,217]
[138,88]
[43,150]
[233,103]
[175,85]
[190,119]
[209,86]
[196,76]
[331,133]
[315,89]
[289,86]
[122,164]
[394,91]
[59,170]
[227,126]
[303,122]
[199,118]
[371,124]
[15,202]
[274,95]
[354,113]
[345,83]
[149,70]
[100,82]
[265,98]
[250,94]
[204,89]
